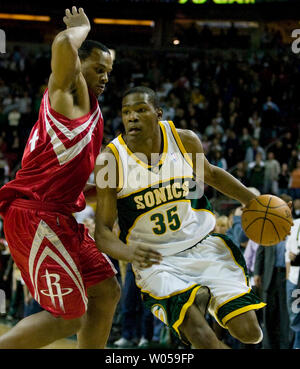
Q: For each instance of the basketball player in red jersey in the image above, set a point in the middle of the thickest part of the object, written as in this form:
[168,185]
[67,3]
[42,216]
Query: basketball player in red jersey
[66,274]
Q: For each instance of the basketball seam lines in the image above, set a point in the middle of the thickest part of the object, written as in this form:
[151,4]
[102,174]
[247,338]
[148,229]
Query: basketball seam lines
[269,213]
[263,225]
[274,228]
[271,207]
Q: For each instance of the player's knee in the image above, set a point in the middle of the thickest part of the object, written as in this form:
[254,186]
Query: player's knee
[250,334]
[107,292]
[114,291]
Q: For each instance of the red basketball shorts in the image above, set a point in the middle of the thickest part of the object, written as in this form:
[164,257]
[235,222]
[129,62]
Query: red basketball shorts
[57,258]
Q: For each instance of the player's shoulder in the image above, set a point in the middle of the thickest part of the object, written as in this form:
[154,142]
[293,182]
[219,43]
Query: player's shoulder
[189,139]
[186,134]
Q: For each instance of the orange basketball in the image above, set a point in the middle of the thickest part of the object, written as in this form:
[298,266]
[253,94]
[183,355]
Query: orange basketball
[267,220]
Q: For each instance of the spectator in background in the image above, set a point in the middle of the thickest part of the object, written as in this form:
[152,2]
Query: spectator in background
[296,208]
[253,150]
[24,103]
[168,110]
[292,160]
[14,117]
[269,104]
[235,231]
[270,121]
[288,142]
[256,172]
[137,321]
[295,182]
[280,152]
[254,120]
[213,129]
[245,140]
[255,124]
[271,174]
[8,103]
[292,282]
[222,224]
[239,172]
[250,257]
[218,159]
[270,275]
[232,155]
[283,179]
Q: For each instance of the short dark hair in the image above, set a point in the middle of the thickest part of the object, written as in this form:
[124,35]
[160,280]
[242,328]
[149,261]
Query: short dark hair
[143,90]
[87,47]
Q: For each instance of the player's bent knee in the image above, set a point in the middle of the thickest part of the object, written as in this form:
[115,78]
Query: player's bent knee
[245,328]
[114,290]
[249,334]
[253,335]
[108,291]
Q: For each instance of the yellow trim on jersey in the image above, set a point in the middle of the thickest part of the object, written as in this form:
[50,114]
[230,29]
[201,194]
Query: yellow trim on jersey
[183,311]
[156,207]
[170,295]
[242,310]
[119,164]
[180,144]
[140,162]
[153,184]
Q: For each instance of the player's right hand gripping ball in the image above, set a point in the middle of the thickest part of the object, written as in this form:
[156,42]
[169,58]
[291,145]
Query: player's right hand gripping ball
[267,220]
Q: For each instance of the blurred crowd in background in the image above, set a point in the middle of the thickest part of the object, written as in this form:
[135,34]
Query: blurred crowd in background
[244,107]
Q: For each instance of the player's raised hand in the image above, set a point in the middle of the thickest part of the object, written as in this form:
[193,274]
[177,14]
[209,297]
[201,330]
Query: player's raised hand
[76,18]
[144,256]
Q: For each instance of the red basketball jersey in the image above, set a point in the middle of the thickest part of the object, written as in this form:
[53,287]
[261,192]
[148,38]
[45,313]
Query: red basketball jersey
[58,159]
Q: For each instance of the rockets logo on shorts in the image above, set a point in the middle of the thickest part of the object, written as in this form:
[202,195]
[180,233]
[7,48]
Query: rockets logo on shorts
[54,289]
[63,261]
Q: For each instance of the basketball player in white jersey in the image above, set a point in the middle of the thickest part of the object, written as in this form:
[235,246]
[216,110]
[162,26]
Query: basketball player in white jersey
[155,211]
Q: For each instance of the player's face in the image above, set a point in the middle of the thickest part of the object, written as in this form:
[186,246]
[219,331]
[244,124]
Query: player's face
[96,69]
[139,115]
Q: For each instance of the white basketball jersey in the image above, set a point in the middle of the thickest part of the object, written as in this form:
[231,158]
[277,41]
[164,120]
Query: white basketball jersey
[156,203]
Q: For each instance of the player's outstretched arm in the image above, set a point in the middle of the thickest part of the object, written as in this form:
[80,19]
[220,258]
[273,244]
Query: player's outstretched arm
[106,178]
[214,176]
[65,63]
